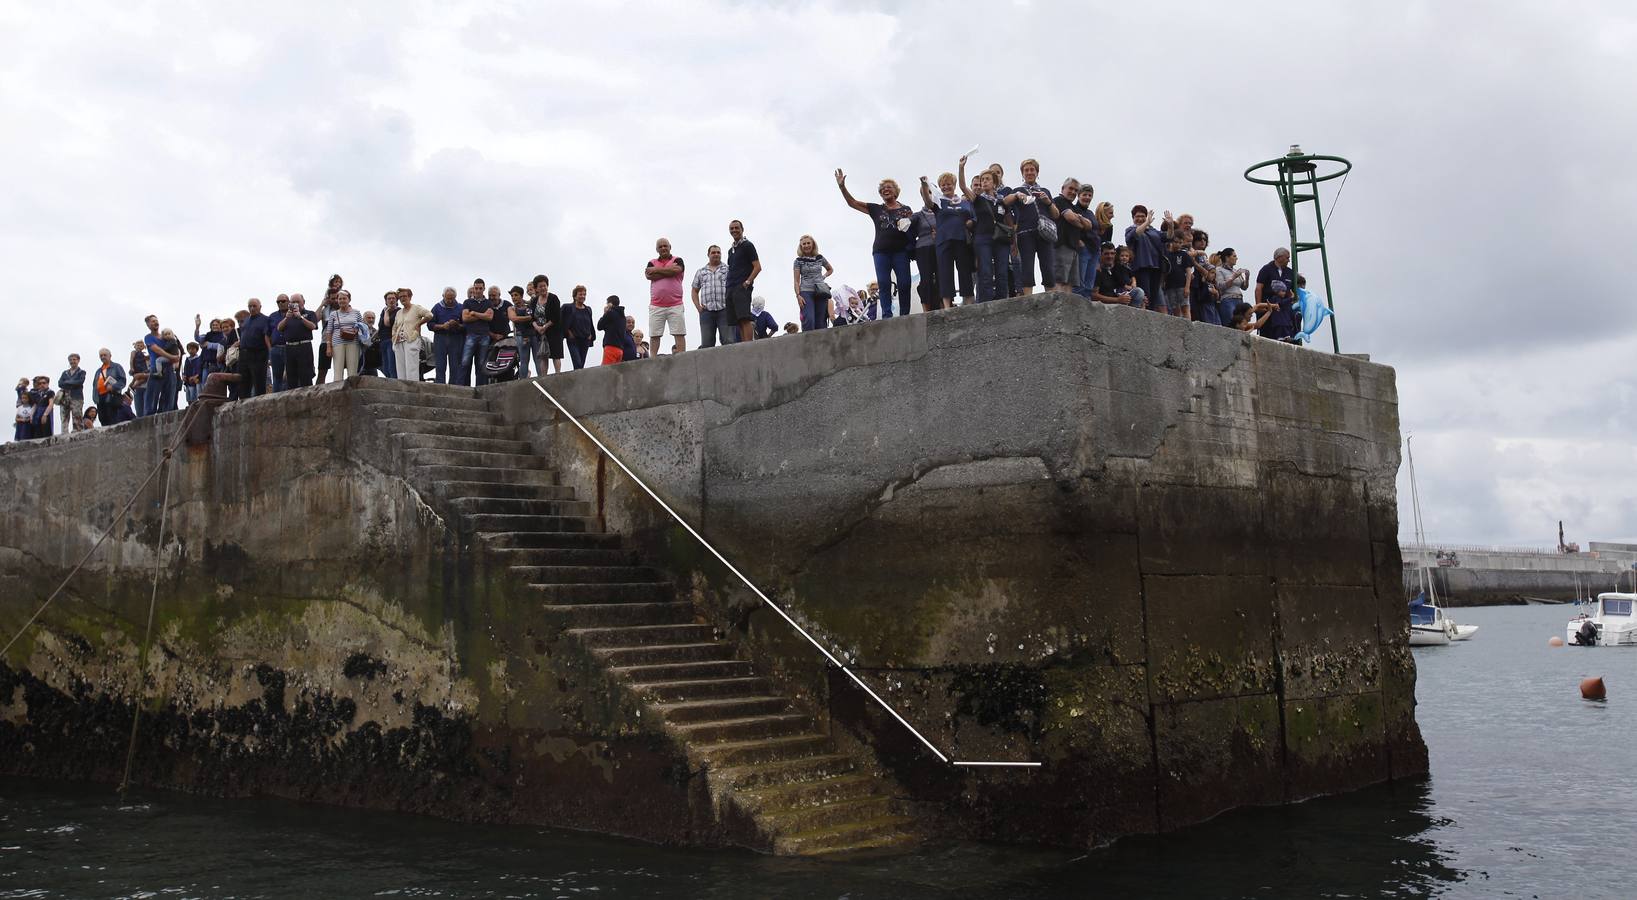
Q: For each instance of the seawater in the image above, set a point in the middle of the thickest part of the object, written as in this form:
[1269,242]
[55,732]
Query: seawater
[1531,795]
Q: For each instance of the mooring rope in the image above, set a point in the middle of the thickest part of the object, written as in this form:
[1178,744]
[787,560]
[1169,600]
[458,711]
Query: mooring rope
[147,635]
[181,431]
[153,598]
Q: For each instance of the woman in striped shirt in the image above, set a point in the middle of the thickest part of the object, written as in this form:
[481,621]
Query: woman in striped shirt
[347,336]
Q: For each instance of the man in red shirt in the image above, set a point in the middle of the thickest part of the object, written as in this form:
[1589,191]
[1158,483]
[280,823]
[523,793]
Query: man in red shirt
[665,298]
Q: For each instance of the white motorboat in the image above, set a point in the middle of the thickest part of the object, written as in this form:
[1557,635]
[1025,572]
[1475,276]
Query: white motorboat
[1608,623]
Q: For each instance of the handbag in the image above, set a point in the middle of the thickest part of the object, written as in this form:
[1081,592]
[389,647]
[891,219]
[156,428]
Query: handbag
[821,290]
[1003,232]
[349,333]
[1047,229]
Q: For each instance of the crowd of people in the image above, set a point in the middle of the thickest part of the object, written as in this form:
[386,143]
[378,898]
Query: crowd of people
[974,239]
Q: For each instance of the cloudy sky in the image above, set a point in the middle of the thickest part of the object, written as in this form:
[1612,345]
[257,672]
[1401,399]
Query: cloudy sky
[180,158]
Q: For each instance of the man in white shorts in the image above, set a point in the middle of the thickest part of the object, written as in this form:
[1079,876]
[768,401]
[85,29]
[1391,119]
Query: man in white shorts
[665,298]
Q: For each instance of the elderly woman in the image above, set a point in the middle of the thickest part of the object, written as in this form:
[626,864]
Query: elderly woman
[891,248]
[953,224]
[348,335]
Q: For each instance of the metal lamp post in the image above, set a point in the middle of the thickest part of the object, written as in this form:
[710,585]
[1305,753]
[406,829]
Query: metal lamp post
[1297,176]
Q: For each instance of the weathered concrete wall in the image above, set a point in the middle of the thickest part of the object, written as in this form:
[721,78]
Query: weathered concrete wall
[321,634]
[1161,558]
[1472,586]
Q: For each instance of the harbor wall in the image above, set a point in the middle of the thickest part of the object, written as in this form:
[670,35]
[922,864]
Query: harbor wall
[1158,558]
[1474,586]
[321,633]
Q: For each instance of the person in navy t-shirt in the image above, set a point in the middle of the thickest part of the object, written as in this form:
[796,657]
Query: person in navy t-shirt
[953,218]
[1282,323]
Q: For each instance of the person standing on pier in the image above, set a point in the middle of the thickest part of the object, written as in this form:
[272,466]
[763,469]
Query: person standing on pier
[1029,202]
[579,328]
[406,337]
[298,326]
[107,386]
[743,267]
[71,384]
[809,272]
[255,343]
[664,274]
[475,315]
[891,247]
[710,300]
[1275,284]
[448,339]
[1147,246]
[953,224]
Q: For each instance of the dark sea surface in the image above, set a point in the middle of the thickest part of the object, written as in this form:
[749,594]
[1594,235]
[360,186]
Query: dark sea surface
[1533,794]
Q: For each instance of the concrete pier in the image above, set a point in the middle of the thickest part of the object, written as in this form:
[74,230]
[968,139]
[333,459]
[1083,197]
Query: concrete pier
[1159,558]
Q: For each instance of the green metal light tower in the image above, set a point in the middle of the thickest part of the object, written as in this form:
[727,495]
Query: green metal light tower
[1297,176]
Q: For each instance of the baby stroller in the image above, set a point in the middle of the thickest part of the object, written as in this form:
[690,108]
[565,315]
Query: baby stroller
[501,362]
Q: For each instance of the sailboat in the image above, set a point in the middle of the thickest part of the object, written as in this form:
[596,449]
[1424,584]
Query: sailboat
[1430,625]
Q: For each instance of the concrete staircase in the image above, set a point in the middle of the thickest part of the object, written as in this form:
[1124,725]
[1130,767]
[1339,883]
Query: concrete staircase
[762,755]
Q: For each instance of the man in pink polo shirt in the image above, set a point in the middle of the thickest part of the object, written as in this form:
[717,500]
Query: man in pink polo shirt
[665,298]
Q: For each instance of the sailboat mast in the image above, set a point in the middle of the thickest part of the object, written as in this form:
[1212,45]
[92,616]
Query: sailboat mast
[1415,509]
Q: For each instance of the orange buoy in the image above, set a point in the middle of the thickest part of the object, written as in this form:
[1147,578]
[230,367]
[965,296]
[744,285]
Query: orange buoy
[1593,689]
[1555,641]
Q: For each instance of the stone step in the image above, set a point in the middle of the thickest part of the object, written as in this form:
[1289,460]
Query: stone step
[685,671]
[588,574]
[509,522]
[746,729]
[522,506]
[645,636]
[605,592]
[379,411]
[452,429]
[786,771]
[812,792]
[458,489]
[719,708]
[737,754]
[552,540]
[890,832]
[436,472]
[483,443]
[702,689]
[567,556]
[478,458]
[602,615]
[431,394]
[705,651]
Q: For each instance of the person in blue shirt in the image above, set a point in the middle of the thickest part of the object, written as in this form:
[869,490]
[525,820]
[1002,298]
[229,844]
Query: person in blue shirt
[1282,323]
[192,373]
[275,350]
[766,325]
[891,247]
[475,315]
[448,339]
[147,403]
[1028,202]
[1147,245]
[297,329]
[579,330]
[953,224]
[991,232]
[255,341]
[612,325]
